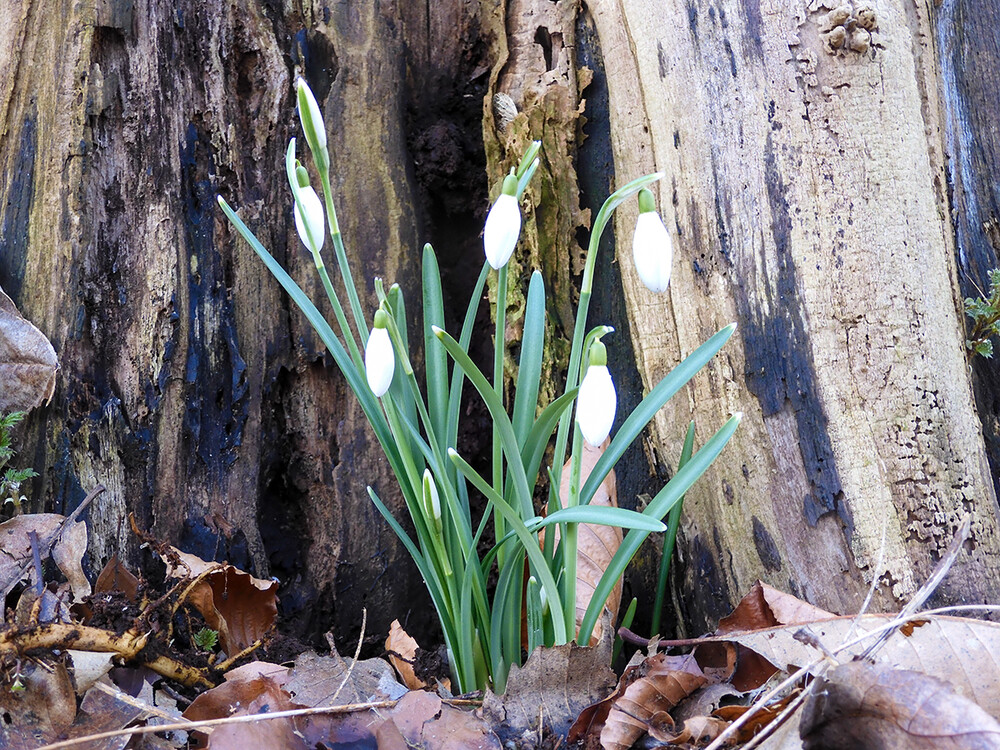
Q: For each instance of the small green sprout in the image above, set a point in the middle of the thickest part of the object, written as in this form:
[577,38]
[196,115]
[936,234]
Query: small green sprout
[12,479]
[206,639]
[985,314]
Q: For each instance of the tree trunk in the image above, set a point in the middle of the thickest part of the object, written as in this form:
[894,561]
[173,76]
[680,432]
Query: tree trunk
[190,386]
[806,182]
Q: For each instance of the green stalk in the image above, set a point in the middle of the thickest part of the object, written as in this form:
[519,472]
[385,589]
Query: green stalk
[499,347]
[576,351]
[345,268]
[670,537]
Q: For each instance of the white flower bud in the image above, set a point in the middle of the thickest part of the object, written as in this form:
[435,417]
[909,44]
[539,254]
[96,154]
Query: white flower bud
[432,500]
[312,123]
[312,226]
[503,225]
[652,249]
[597,401]
[380,361]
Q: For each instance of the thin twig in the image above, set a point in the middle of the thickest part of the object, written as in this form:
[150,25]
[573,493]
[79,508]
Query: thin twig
[777,721]
[357,653]
[249,718]
[876,575]
[53,538]
[761,703]
[931,584]
[127,699]
[224,666]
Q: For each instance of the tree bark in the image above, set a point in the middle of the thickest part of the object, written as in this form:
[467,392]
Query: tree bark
[190,386]
[806,183]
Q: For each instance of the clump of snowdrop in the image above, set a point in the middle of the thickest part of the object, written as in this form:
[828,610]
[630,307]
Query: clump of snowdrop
[416,422]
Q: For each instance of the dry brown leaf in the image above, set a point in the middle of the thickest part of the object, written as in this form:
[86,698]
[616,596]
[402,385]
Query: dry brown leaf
[555,684]
[248,689]
[39,713]
[67,552]
[116,577]
[861,705]
[698,729]
[242,685]
[315,680]
[961,651]
[51,606]
[28,363]
[595,544]
[423,720]
[762,607]
[240,607]
[89,667]
[658,684]
[402,650]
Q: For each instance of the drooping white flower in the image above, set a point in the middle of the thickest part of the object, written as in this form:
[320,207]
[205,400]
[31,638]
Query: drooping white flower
[311,226]
[380,361]
[652,249]
[597,401]
[503,225]
[312,120]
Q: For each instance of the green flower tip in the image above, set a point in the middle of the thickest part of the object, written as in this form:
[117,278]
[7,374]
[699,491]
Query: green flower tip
[598,354]
[381,319]
[452,454]
[509,185]
[301,175]
[439,332]
[647,202]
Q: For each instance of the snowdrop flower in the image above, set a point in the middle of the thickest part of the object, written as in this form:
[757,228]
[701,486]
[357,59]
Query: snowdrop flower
[503,225]
[380,362]
[310,221]
[652,250]
[312,123]
[597,401]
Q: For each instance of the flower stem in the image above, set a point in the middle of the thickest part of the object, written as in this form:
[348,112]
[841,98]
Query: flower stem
[499,348]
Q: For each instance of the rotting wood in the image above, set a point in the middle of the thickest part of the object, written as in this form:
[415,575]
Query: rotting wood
[188,385]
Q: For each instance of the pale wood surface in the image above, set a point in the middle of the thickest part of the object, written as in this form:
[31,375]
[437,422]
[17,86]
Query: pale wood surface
[807,188]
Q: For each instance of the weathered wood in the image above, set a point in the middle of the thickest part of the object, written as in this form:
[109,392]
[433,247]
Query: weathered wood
[188,385]
[806,185]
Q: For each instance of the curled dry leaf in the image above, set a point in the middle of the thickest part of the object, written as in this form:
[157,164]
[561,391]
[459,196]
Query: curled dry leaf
[402,650]
[67,552]
[595,544]
[240,607]
[873,705]
[28,363]
[762,607]
[961,651]
[658,684]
